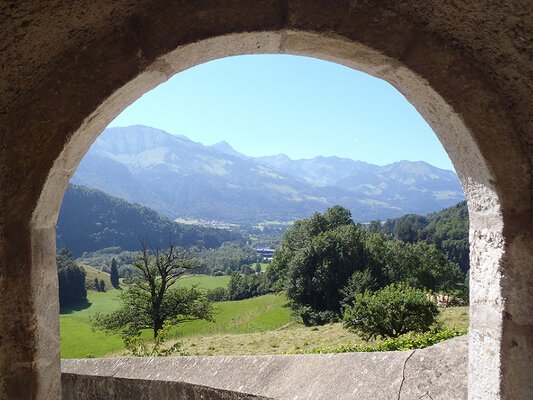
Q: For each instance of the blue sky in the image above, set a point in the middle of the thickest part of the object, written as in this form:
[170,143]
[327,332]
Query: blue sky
[303,107]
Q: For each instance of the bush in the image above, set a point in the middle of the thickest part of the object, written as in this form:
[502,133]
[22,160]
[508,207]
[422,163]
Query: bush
[390,312]
[217,294]
[139,347]
[408,341]
[311,317]
[242,287]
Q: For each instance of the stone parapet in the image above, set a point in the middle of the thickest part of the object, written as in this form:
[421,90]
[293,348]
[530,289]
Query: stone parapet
[438,372]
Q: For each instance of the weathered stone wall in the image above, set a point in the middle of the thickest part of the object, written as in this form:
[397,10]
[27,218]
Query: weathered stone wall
[68,68]
[437,373]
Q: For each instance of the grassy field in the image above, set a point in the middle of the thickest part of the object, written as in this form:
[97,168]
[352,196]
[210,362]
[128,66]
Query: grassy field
[290,338]
[252,315]
[204,281]
[92,273]
[455,317]
[259,314]
[77,338]
[264,266]
[294,337]
[260,325]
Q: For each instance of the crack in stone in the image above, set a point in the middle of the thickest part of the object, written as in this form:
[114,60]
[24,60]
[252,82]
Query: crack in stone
[403,374]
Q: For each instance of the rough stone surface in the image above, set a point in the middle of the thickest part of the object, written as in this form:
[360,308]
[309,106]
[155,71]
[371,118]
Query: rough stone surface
[68,68]
[439,371]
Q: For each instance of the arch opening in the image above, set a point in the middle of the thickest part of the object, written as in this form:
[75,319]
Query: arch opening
[363,86]
[477,176]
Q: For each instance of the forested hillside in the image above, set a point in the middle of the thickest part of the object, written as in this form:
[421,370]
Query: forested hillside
[446,229]
[91,220]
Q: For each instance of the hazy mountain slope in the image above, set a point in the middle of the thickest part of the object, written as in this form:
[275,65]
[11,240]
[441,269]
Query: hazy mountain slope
[90,220]
[320,170]
[181,178]
[178,177]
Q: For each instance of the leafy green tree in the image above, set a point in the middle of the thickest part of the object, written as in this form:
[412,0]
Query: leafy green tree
[359,282]
[247,270]
[71,279]
[446,229]
[390,312]
[236,287]
[217,294]
[316,258]
[114,273]
[97,285]
[258,268]
[153,298]
[420,265]
[242,286]
[324,260]
[375,226]
[102,286]
[230,255]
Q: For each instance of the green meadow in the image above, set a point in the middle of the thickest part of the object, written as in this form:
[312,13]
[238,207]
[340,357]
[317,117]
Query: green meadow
[260,325]
[204,281]
[77,337]
[246,316]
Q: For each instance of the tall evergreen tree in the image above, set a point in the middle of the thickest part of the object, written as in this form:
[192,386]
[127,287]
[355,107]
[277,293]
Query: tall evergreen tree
[114,273]
[71,279]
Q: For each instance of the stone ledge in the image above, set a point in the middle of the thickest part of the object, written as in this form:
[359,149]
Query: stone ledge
[438,373]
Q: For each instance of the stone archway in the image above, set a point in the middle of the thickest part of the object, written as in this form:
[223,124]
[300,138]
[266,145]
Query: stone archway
[65,81]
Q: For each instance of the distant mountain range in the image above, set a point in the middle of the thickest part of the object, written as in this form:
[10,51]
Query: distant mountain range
[181,178]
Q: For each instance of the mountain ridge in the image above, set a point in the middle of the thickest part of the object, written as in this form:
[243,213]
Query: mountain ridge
[182,178]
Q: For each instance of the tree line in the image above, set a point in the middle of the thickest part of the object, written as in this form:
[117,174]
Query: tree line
[324,261]
[446,229]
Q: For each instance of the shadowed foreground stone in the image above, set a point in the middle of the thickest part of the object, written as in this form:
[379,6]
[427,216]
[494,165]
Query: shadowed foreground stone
[437,373]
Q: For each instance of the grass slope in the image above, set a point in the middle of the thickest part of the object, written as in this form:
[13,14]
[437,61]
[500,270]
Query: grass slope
[252,315]
[206,282]
[295,338]
[261,325]
[258,314]
[77,338]
[92,273]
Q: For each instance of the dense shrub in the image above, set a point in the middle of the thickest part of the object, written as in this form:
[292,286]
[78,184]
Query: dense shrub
[242,287]
[312,317]
[408,341]
[359,282]
[390,312]
[217,294]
